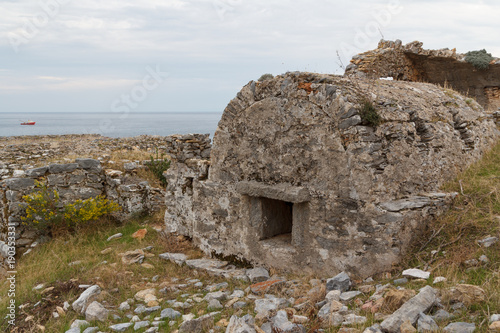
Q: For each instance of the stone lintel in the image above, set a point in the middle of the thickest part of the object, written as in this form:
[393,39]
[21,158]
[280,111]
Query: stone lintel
[283,192]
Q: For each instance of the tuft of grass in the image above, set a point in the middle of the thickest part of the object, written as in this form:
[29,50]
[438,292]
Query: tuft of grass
[369,114]
[158,165]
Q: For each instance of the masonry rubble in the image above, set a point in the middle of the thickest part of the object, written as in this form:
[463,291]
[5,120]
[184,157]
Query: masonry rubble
[299,179]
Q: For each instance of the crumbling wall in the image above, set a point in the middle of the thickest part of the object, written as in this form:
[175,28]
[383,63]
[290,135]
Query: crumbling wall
[86,178]
[80,180]
[445,67]
[299,180]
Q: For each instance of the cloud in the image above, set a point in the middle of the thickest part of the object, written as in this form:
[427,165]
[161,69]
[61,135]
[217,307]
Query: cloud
[215,46]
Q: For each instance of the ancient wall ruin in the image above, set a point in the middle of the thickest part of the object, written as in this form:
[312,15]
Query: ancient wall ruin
[446,67]
[85,178]
[299,179]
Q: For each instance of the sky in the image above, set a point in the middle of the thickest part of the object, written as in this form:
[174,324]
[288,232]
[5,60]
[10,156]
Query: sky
[195,55]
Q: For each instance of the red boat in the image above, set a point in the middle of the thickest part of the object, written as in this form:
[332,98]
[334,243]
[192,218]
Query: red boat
[29,122]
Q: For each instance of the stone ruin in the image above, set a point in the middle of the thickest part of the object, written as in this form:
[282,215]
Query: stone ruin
[411,62]
[84,178]
[298,179]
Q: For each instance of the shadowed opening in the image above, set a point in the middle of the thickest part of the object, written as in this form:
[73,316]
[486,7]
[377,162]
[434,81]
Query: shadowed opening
[277,218]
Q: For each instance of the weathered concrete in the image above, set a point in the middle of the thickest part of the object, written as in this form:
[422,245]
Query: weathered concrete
[298,180]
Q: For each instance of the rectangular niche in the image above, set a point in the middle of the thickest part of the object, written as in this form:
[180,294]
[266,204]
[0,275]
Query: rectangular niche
[277,213]
[277,219]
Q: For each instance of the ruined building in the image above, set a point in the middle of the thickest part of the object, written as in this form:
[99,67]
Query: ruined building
[301,178]
[445,67]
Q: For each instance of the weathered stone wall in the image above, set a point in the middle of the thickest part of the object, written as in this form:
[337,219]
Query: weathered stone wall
[188,146]
[411,62]
[80,180]
[18,154]
[21,163]
[298,180]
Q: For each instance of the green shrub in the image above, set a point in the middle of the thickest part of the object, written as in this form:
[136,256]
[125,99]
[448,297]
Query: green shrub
[479,59]
[158,165]
[369,113]
[44,210]
[266,76]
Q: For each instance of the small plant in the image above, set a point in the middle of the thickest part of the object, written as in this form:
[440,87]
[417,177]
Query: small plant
[369,113]
[479,59]
[158,165]
[45,211]
[266,76]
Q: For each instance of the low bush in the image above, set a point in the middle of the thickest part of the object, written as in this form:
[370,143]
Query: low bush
[266,76]
[479,59]
[45,211]
[369,113]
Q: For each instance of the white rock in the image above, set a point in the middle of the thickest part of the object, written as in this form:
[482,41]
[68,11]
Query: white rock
[416,273]
[439,279]
[115,236]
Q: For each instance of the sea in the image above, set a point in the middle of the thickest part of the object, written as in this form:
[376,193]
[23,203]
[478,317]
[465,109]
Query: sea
[109,124]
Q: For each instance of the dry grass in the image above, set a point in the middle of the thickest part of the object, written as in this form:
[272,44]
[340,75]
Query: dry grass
[451,241]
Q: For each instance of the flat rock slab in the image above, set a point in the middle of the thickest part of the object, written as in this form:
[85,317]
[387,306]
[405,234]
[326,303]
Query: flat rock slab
[217,268]
[460,328]
[416,273]
[120,327]
[411,310]
[177,258]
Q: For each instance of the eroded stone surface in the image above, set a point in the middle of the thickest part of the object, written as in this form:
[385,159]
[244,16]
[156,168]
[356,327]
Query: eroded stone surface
[299,181]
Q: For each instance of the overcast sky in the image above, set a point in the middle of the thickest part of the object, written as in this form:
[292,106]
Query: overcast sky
[195,55]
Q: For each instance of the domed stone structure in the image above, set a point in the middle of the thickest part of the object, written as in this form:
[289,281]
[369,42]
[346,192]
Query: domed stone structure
[302,176]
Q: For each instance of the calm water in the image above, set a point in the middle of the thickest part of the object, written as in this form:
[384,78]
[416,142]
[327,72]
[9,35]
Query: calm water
[109,124]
